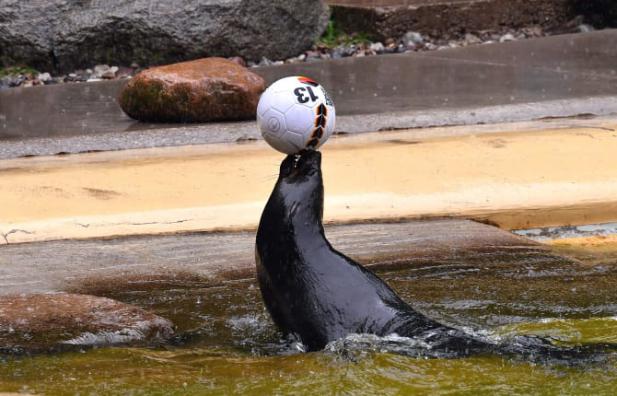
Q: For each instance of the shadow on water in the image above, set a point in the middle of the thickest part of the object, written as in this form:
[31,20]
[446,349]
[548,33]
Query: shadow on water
[228,343]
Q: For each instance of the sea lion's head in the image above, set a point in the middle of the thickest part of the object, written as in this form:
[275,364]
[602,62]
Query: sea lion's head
[300,182]
[301,168]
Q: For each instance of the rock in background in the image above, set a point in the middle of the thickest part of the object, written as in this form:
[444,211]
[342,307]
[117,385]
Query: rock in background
[211,89]
[69,34]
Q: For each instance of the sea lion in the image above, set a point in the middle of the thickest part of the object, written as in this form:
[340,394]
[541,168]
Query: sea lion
[316,292]
[319,294]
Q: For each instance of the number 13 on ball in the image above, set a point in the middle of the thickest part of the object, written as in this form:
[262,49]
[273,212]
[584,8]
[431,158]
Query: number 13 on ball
[295,113]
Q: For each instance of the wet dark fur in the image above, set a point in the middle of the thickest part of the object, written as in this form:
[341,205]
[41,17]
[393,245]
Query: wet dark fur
[321,295]
[314,291]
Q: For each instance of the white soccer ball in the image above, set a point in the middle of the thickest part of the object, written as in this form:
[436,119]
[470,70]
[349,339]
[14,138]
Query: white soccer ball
[295,113]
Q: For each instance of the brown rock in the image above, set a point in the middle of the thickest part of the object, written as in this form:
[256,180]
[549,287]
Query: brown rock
[210,89]
[42,322]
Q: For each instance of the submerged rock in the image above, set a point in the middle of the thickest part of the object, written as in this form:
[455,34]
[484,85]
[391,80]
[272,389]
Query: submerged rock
[43,322]
[70,34]
[210,89]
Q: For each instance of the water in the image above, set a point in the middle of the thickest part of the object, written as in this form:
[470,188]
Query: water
[229,345]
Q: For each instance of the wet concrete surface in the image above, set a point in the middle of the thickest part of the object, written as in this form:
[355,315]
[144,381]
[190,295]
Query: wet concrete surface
[63,110]
[529,71]
[381,92]
[591,55]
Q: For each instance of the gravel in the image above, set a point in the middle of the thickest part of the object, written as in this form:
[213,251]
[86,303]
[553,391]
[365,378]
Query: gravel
[409,42]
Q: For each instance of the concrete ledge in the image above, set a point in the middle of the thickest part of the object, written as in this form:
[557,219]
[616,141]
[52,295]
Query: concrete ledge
[99,266]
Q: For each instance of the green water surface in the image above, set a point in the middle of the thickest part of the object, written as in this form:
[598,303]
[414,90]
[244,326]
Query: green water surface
[235,349]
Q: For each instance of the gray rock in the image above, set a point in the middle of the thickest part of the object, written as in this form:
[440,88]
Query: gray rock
[71,34]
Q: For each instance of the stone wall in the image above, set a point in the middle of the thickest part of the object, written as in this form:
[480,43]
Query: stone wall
[451,17]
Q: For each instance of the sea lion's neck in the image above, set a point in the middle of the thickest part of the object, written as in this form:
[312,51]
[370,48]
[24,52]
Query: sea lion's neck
[303,209]
[293,214]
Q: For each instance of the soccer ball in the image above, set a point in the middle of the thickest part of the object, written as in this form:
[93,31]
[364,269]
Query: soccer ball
[295,113]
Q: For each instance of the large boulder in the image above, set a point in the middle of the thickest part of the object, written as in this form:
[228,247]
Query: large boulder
[68,34]
[210,89]
[46,322]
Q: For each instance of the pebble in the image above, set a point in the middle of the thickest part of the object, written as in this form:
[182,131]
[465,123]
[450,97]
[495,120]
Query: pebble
[391,48]
[471,39]
[44,77]
[237,59]
[99,70]
[127,72]
[584,28]
[312,56]
[265,62]
[14,81]
[343,51]
[412,40]
[506,37]
[377,48]
[109,73]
